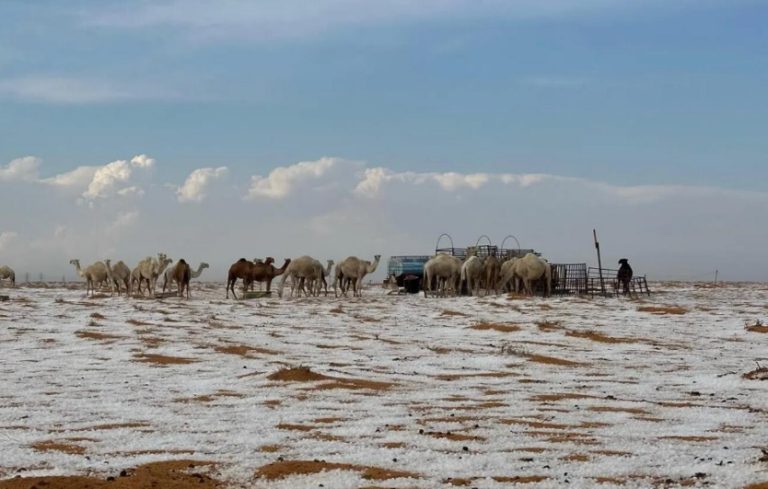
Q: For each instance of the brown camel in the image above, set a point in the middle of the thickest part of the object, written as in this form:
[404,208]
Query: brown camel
[241,269]
[265,271]
[182,274]
[492,274]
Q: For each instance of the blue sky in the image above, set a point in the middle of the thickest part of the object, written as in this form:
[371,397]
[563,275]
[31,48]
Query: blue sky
[627,93]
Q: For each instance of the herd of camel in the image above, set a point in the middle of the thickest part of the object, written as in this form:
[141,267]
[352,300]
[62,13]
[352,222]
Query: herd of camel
[443,274]
[147,271]
[447,273]
[308,276]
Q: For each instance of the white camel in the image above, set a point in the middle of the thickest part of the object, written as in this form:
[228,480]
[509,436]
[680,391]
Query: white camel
[7,273]
[119,274]
[94,274]
[531,268]
[472,271]
[445,270]
[319,282]
[507,274]
[352,270]
[300,270]
[168,274]
[149,270]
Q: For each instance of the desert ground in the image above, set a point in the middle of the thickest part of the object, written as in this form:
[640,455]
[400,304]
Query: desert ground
[385,390]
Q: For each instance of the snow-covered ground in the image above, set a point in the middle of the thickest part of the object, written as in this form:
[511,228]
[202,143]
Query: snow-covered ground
[482,392]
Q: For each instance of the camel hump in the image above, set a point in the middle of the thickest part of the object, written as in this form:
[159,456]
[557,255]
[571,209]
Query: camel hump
[241,260]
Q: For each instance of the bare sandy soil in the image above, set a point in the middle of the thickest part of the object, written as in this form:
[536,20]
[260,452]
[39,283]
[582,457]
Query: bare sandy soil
[384,391]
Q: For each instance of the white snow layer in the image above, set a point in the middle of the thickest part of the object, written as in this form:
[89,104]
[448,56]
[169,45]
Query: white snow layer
[663,404]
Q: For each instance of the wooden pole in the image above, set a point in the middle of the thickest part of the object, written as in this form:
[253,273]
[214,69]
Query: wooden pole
[599,263]
[716,271]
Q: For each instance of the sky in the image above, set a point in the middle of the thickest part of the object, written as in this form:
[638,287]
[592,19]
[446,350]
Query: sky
[214,131]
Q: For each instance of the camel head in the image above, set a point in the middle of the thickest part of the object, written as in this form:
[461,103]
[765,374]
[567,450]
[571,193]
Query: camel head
[74,262]
[623,261]
[269,260]
[204,265]
[107,262]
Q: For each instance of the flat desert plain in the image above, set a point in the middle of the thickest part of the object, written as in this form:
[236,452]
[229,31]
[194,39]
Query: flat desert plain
[385,390]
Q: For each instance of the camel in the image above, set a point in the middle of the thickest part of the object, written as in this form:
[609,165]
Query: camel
[531,268]
[168,274]
[150,269]
[265,271]
[492,269]
[182,275]
[7,272]
[96,273]
[118,274]
[445,269]
[261,264]
[241,269]
[352,270]
[472,271]
[300,269]
[507,273]
[318,281]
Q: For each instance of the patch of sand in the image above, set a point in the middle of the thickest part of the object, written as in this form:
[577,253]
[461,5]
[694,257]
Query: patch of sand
[502,328]
[287,468]
[663,310]
[177,474]
[163,360]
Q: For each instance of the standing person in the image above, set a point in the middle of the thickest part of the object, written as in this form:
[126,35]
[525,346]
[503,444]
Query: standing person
[624,276]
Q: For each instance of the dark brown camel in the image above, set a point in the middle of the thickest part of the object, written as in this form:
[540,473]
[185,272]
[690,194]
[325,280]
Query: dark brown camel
[266,271]
[182,275]
[258,263]
[241,269]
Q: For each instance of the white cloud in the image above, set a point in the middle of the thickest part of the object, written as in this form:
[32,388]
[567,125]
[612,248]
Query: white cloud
[78,178]
[195,186]
[285,179]
[142,161]
[71,90]
[107,178]
[323,208]
[291,19]
[451,181]
[92,182]
[6,238]
[20,170]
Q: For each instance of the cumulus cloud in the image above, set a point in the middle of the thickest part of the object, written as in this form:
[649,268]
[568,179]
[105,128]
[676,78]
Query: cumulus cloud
[142,161]
[20,170]
[78,178]
[375,179]
[195,186]
[331,208]
[285,179]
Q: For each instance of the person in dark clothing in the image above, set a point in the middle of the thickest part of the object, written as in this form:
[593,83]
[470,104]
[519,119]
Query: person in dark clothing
[624,276]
